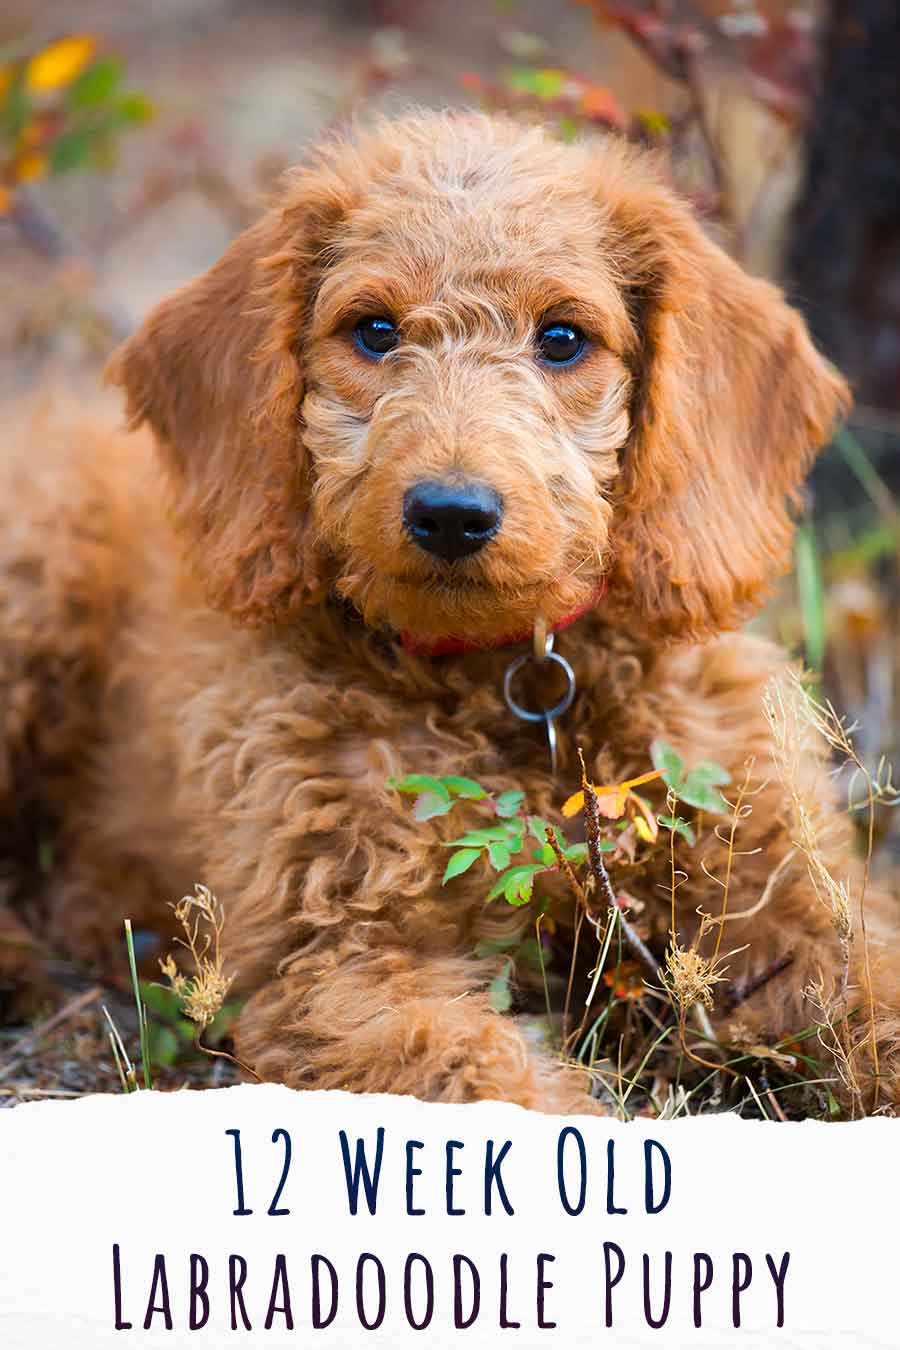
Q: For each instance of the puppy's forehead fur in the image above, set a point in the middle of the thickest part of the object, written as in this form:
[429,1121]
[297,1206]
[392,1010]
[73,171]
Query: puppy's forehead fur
[475,210]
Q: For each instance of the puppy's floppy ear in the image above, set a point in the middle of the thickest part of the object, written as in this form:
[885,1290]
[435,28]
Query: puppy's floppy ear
[214,371]
[731,402]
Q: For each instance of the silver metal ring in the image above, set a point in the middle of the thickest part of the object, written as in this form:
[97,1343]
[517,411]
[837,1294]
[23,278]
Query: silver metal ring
[545,714]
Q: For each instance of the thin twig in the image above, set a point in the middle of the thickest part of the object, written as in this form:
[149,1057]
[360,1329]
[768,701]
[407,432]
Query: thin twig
[223,1054]
[566,868]
[737,812]
[593,826]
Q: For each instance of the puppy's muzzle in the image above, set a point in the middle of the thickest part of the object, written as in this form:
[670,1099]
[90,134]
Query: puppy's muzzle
[452,520]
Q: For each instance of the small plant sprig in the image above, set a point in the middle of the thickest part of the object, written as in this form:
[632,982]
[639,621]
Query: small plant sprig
[513,826]
[196,1000]
[500,842]
[61,108]
[202,995]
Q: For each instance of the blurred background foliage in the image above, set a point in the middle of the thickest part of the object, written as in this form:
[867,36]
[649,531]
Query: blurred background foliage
[135,141]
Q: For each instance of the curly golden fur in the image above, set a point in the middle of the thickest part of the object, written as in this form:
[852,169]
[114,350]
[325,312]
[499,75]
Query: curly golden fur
[201,678]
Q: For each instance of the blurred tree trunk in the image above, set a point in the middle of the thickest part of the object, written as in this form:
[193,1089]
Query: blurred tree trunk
[844,252]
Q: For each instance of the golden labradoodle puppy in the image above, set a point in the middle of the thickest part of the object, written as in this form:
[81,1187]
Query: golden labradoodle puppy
[460,383]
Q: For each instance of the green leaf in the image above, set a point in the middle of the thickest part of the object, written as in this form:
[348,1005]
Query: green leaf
[516,883]
[460,862]
[491,834]
[499,990]
[492,946]
[464,787]
[578,853]
[708,772]
[515,835]
[545,856]
[430,804]
[46,854]
[679,826]
[70,151]
[529,952]
[668,761]
[567,129]
[96,84]
[165,1046]
[161,1000]
[538,827]
[811,594]
[135,109]
[17,108]
[414,783]
[508,803]
[103,151]
[702,797]
[542,83]
[499,856]
[519,891]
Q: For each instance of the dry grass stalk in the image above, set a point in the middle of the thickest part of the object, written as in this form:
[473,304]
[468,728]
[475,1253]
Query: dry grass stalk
[690,977]
[740,810]
[202,994]
[796,719]
[833,1043]
[789,712]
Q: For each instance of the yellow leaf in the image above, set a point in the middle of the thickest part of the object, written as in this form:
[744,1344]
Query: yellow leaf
[643,830]
[611,797]
[611,800]
[643,778]
[30,166]
[646,823]
[60,63]
[6,199]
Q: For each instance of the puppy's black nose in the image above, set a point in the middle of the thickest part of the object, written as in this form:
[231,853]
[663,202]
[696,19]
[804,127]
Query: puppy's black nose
[452,520]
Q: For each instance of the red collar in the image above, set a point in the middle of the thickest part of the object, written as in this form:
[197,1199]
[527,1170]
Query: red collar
[452,646]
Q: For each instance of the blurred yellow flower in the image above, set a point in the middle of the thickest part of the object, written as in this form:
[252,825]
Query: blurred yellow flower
[60,63]
[30,166]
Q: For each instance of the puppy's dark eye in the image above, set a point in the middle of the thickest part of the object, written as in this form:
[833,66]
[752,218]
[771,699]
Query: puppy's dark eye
[376,336]
[560,343]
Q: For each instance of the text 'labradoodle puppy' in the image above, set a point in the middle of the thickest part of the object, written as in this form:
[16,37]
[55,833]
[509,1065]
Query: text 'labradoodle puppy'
[460,386]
